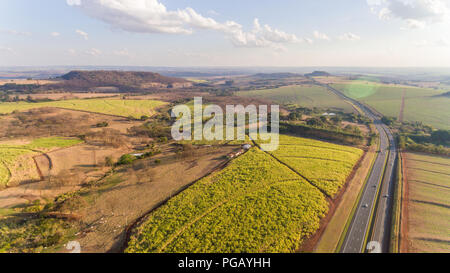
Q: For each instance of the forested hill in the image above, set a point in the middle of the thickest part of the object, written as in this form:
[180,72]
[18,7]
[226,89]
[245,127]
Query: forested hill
[318,74]
[119,78]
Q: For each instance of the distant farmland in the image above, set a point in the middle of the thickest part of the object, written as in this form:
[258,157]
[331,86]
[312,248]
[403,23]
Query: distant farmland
[301,95]
[427,217]
[125,108]
[421,104]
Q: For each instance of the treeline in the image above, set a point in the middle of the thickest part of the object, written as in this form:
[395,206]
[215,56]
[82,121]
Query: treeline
[321,133]
[297,113]
[4,97]
[7,90]
[419,137]
[119,78]
[158,127]
[406,143]
[332,122]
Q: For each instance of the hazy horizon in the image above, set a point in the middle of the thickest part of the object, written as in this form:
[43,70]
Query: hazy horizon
[174,33]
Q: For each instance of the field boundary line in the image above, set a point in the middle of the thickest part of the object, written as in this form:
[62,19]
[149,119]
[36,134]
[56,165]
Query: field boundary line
[320,147]
[189,224]
[33,157]
[41,175]
[402,107]
[292,169]
[9,173]
[88,112]
[315,158]
[217,206]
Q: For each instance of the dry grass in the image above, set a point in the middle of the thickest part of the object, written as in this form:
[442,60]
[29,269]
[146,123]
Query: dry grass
[24,81]
[134,190]
[67,96]
[428,203]
[83,161]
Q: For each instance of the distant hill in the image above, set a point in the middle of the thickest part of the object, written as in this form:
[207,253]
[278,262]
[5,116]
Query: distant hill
[121,78]
[318,74]
[275,75]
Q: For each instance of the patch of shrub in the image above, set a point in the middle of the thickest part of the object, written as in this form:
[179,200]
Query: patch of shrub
[126,159]
[102,124]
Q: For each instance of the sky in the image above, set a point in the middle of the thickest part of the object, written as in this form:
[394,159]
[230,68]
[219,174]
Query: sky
[282,33]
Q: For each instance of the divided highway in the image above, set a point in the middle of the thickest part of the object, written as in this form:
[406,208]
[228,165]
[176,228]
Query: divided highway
[372,218]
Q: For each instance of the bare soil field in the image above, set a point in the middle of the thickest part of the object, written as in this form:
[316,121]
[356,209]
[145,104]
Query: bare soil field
[134,190]
[51,121]
[426,204]
[81,163]
[23,194]
[79,159]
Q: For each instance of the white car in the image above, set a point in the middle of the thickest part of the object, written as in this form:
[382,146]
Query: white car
[365,206]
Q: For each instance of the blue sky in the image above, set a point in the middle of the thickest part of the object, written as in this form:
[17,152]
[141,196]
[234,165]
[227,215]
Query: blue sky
[225,33]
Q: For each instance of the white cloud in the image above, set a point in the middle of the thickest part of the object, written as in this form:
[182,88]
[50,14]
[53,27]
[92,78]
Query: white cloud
[259,36]
[122,53]
[151,16]
[15,32]
[308,41]
[415,24]
[213,12]
[443,42]
[55,34]
[417,14]
[421,43]
[71,51]
[82,34]
[6,49]
[93,52]
[74,2]
[321,36]
[349,37]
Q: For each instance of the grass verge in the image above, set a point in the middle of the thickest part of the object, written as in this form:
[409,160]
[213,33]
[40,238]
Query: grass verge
[397,208]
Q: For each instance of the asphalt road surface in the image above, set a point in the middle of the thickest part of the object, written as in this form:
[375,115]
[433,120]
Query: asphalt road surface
[379,186]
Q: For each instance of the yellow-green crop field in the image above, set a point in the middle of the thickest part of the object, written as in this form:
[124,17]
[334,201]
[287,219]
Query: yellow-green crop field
[10,154]
[255,204]
[125,108]
[325,165]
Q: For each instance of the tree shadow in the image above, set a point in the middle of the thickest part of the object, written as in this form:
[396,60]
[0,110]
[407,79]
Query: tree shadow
[432,203]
